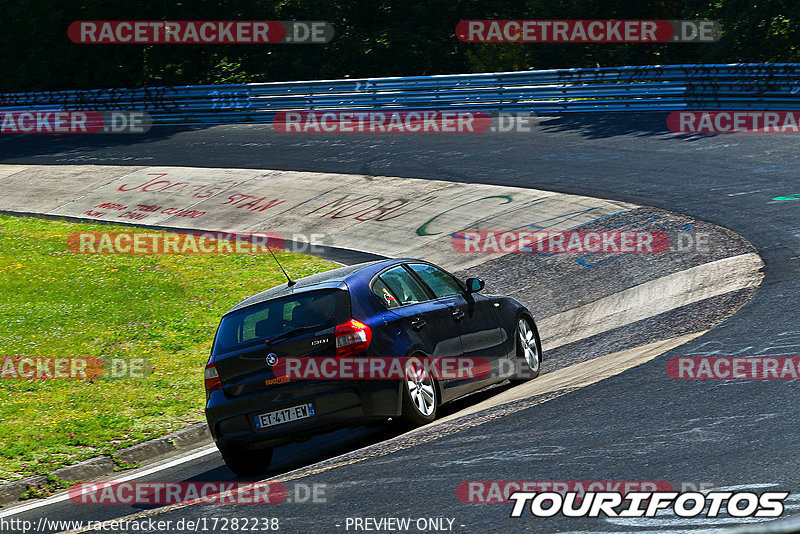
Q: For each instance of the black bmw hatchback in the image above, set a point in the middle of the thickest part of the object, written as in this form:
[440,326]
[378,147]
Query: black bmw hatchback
[323,353]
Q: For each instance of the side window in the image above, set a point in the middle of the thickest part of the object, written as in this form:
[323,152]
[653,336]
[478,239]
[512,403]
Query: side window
[441,283]
[384,294]
[402,286]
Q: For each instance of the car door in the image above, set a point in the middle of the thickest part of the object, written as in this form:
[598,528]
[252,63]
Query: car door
[414,313]
[472,315]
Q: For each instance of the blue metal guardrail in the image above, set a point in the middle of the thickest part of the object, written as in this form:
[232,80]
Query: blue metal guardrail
[647,88]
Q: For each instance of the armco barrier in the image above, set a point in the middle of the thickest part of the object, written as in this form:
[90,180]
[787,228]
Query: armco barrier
[647,88]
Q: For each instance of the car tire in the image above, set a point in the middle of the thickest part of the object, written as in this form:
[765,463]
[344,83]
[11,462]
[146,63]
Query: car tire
[247,463]
[420,396]
[529,350]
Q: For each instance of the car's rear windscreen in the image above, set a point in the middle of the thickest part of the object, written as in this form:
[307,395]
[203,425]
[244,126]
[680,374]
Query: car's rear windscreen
[310,310]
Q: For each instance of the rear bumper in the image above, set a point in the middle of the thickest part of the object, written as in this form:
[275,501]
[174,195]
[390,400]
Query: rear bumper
[337,403]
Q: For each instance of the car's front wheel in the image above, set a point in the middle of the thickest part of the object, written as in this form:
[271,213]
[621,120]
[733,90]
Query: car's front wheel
[247,463]
[420,398]
[529,350]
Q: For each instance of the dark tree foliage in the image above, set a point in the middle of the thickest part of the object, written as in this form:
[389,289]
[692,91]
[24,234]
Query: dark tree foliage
[373,38]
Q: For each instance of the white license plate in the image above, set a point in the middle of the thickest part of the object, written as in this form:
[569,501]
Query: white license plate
[286,415]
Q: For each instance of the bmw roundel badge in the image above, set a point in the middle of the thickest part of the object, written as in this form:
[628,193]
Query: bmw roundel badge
[272,358]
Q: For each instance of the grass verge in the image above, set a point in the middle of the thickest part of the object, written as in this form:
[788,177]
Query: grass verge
[164,308]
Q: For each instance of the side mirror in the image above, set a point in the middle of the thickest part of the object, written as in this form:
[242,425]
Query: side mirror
[475,284]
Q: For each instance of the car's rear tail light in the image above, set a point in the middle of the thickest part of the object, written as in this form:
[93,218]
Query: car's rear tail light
[211,376]
[352,337]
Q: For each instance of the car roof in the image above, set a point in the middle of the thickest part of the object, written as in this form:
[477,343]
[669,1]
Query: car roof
[328,279]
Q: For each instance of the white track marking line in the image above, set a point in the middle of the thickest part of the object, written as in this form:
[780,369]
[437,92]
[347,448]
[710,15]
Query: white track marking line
[209,449]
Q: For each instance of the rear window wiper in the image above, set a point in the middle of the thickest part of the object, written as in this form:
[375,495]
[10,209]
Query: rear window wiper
[291,333]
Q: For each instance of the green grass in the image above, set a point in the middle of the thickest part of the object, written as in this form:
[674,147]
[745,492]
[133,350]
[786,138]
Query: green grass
[54,303]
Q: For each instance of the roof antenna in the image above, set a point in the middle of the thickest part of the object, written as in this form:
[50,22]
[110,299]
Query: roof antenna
[291,282]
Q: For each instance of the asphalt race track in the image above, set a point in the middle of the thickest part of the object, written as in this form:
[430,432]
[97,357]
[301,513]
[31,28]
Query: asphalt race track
[640,425]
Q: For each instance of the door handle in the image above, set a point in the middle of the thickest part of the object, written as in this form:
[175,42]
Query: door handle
[418,323]
[458,313]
